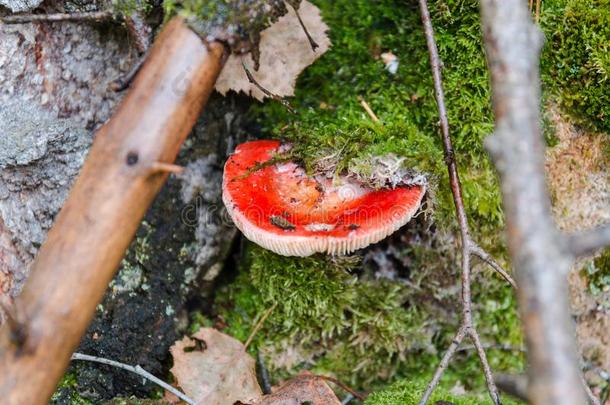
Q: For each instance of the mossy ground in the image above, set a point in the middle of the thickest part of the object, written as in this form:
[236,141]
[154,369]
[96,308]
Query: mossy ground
[330,316]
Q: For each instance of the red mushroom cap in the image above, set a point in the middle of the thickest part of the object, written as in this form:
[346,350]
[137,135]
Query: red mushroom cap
[282,209]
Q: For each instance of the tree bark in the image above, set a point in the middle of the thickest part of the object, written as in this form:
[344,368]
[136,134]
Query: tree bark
[125,169]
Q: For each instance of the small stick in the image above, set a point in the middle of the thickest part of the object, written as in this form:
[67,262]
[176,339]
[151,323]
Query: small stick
[313,43]
[275,97]
[531,5]
[368,109]
[137,370]
[162,167]
[28,18]
[455,343]
[258,325]
[538,2]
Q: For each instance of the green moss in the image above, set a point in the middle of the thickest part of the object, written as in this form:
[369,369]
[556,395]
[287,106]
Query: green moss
[66,391]
[329,117]
[576,58]
[322,306]
[407,392]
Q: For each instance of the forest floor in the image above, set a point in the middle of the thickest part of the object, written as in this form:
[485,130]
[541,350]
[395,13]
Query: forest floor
[380,319]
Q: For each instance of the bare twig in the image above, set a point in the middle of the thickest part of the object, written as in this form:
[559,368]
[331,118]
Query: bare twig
[538,2]
[588,242]
[258,325]
[312,42]
[269,94]
[368,109]
[28,18]
[487,258]
[469,247]
[538,251]
[137,370]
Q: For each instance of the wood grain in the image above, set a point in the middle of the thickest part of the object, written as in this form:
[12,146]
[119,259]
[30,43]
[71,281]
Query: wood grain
[116,185]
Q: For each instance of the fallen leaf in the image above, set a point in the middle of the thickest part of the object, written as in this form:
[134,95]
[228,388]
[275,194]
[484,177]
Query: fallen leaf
[214,369]
[284,52]
[304,388]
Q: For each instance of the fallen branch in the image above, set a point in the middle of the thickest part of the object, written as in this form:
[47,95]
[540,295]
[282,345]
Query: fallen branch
[137,370]
[469,246]
[126,167]
[539,256]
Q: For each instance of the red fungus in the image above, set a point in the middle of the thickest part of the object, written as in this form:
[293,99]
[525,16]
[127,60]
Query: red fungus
[279,207]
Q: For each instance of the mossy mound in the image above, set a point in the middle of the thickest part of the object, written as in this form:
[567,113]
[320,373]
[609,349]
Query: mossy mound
[410,392]
[335,316]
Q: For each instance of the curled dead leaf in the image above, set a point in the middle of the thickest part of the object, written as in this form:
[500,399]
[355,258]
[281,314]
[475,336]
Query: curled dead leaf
[304,388]
[285,51]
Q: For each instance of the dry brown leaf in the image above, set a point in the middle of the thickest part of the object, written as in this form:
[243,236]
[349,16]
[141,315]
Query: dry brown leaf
[214,369]
[285,52]
[301,389]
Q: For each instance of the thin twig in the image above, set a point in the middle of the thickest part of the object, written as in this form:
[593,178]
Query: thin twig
[487,258]
[455,343]
[368,109]
[491,385]
[269,94]
[538,2]
[137,370]
[312,42]
[258,325]
[506,348]
[28,18]
[469,247]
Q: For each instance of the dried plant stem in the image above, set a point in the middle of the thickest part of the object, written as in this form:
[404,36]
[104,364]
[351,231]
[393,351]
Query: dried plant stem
[258,325]
[368,109]
[85,16]
[469,247]
[137,370]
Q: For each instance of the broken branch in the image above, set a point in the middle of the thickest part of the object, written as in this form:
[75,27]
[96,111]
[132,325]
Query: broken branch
[104,209]
[513,43]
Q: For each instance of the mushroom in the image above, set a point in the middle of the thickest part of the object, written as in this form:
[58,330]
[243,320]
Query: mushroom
[278,206]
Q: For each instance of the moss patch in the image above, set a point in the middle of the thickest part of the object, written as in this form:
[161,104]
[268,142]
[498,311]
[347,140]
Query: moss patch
[576,58]
[410,392]
[335,317]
